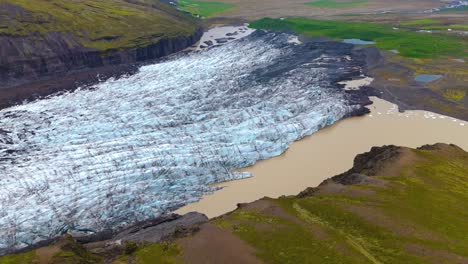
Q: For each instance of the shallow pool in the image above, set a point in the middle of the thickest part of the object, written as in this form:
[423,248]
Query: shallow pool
[358,41]
[427,78]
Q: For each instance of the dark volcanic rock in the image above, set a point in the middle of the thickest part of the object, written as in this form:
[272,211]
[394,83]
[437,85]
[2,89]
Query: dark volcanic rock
[208,43]
[222,40]
[367,164]
[60,63]
[149,232]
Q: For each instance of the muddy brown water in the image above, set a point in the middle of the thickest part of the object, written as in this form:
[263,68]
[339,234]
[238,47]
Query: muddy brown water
[331,151]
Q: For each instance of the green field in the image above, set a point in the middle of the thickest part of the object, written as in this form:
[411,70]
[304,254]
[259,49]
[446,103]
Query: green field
[337,4]
[103,25]
[203,9]
[420,22]
[408,43]
[434,24]
[461,27]
[25,258]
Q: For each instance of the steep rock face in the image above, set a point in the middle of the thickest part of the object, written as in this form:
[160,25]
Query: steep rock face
[56,57]
[44,40]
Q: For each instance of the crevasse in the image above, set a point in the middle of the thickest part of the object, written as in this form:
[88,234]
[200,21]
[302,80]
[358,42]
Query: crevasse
[133,148]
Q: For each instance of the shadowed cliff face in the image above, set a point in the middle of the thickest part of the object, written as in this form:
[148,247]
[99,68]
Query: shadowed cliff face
[44,39]
[53,56]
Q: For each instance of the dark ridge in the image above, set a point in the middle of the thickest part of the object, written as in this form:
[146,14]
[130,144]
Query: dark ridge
[34,79]
[367,164]
[155,229]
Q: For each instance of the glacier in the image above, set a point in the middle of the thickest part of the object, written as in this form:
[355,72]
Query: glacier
[133,148]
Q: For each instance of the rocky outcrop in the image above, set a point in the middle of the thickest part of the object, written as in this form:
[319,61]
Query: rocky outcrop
[153,230]
[368,164]
[180,226]
[58,56]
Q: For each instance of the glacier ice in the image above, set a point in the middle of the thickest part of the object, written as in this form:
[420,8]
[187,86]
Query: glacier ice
[133,148]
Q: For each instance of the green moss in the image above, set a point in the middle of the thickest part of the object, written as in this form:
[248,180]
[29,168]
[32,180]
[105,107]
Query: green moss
[72,252]
[202,8]
[337,4]
[285,241]
[455,94]
[445,27]
[103,25]
[433,193]
[163,253]
[409,44]
[150,253]
[25,258]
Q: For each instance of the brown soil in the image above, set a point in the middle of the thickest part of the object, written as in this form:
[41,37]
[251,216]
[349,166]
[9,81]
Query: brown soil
[270,208]
[45,254]
[214,245]
[436,256]
[375,216]
[406,157]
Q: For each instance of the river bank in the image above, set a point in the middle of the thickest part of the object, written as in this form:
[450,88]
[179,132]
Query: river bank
[330,151]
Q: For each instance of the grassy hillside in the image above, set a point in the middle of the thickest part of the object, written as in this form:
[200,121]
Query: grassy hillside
[411,211]
[408,43]
[104,24]
[397,205]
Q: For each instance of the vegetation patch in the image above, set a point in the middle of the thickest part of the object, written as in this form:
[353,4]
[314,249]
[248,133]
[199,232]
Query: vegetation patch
[203,9]
[25,258]
[455,94]
[279,240]
[337,4]
[408,43]
[462,27]
[72,252]
[149,253]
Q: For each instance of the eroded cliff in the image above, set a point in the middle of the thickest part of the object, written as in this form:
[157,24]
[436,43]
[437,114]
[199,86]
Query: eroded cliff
[48,46]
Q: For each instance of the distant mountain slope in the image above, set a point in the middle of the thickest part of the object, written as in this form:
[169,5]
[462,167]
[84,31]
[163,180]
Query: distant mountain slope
[45,37]
[396,205]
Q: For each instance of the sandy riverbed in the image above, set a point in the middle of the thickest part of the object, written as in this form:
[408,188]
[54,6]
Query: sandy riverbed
[331,151]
